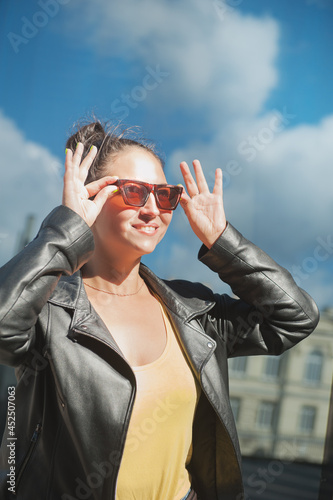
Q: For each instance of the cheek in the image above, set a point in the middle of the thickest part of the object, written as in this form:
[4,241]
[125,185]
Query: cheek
[116,210]
[165,219]
[112,218]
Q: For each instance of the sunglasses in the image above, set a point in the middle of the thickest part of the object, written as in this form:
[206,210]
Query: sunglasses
[136,193]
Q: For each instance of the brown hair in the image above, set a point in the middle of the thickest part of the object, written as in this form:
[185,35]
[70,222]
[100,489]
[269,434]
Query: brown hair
[109,141]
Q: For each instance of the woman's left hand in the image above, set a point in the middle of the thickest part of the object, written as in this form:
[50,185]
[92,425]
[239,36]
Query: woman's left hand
[204,210]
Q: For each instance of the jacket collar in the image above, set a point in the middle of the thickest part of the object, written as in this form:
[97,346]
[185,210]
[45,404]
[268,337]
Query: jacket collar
[177,295]
[70,293]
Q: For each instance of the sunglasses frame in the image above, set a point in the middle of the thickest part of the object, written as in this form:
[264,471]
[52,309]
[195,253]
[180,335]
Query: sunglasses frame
[150,188]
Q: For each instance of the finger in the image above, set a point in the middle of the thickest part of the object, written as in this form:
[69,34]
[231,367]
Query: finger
[185,198]
[103,195]
[68,159]
[94,187]
[77,156]
[199,175]
[190,183]
[68,156]
[87,162]
[218,186]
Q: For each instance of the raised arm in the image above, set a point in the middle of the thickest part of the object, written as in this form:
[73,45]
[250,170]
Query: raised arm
[63,244]
[272,312]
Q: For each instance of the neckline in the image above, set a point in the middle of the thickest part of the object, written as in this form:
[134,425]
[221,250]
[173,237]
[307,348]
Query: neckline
[166,349]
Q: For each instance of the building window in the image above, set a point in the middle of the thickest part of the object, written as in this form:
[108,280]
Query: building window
[237,366]
[313,367]
[235,406]
[307,419]
[265,415]
[272,367]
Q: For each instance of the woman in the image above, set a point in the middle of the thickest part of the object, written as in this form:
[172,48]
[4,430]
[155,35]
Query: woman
[122,377]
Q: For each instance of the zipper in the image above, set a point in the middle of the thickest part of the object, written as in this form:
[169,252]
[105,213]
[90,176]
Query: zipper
[32,445]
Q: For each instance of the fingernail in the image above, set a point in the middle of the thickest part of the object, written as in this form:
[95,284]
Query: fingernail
[111,193]
[77,145]
[66,151]
[91,147]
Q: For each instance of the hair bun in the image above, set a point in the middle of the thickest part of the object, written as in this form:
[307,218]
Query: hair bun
[92,134]
[109,140]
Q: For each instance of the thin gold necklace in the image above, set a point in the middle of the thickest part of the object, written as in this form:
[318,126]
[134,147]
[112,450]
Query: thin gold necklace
[113,293]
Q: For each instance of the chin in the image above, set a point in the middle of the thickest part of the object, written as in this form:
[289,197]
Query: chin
[147,247]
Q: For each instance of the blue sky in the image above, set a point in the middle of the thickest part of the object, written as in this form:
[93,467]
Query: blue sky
[241,84]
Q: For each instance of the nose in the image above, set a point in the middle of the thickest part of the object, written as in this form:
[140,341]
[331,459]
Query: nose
[151,208]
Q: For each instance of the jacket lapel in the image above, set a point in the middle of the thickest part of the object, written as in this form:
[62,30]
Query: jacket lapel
[183,312]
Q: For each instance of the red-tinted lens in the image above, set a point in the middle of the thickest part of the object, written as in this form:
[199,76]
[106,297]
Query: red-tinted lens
[135,194]
[168,196]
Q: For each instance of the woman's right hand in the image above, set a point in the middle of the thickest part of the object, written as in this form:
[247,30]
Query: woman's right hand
[76,194]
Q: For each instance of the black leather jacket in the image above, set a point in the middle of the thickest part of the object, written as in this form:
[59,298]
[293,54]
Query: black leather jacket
[75,390]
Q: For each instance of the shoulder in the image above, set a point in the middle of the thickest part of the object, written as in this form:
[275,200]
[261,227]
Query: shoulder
[194,297]
[189,289]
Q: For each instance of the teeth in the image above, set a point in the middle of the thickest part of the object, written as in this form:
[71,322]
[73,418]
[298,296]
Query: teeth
[147,229]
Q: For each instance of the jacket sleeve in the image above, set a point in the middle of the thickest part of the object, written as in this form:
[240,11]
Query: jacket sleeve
[272,313]
[63,244]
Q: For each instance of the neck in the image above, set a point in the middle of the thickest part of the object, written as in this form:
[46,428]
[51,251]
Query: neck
[118,277]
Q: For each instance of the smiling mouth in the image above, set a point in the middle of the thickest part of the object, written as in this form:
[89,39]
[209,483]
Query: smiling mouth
[146,229]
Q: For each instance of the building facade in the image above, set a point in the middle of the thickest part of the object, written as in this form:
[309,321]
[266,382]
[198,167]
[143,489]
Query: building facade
[281,403]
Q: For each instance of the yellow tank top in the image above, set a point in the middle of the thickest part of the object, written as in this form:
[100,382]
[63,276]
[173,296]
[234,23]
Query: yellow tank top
[159,439]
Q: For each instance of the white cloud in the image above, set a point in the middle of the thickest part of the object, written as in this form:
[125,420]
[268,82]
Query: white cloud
[298,167]
[222,70]
[283,184]
[31,185]
[282,198]
[222,66]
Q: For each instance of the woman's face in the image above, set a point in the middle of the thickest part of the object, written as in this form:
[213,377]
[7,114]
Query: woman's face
[123,230]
